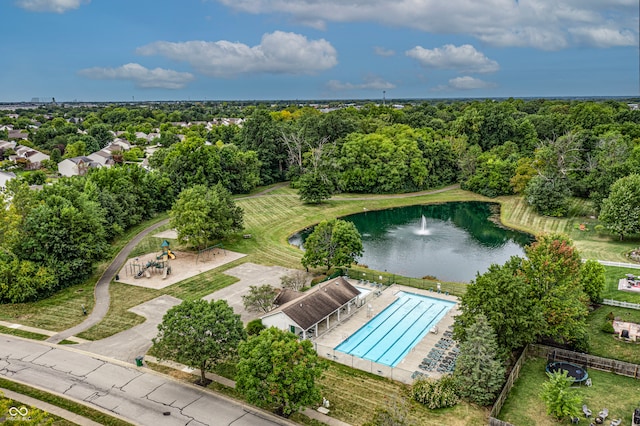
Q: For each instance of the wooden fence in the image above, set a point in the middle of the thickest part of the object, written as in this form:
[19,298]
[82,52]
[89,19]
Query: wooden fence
[590,361]
[513,376]
[620,304]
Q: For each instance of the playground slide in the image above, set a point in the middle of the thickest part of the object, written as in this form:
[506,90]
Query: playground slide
[171,255]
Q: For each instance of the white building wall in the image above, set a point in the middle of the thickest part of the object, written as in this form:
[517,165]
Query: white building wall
[279,320]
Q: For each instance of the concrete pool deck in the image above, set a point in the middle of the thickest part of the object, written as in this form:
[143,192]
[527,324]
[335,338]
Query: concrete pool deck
[379,300]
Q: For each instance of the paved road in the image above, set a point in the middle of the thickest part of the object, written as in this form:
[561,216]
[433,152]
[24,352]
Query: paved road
[101,291]
[138,395]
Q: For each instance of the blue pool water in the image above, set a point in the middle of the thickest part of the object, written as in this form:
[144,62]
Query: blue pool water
[389,336]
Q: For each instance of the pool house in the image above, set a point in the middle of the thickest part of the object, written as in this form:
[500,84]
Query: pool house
[316,311]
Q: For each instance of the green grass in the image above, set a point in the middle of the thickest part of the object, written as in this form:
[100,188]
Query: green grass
[67,404]
[23,333]
[354,395]
[524,407]
[56,313]
[604,344]
[55,420]
[516,214]
[612,276]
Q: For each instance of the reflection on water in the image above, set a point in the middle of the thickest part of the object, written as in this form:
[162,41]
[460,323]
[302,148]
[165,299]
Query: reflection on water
[451,241]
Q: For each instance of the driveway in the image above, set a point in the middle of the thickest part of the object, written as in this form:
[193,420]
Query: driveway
[134,394]
[129,344]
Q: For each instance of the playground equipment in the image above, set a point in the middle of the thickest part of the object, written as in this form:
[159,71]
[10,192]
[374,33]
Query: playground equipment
[160,264]
[209,253]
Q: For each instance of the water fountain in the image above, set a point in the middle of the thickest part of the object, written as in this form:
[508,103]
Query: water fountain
[423,227]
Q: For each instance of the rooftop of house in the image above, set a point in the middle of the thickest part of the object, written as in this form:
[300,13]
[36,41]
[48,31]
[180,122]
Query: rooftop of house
[319,302]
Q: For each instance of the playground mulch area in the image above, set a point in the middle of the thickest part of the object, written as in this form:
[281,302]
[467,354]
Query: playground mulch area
[185,265]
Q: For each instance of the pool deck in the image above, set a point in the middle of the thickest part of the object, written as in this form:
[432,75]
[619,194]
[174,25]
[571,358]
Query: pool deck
[326,342]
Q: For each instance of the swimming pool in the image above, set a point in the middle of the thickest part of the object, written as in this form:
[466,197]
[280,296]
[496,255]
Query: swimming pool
[389,336]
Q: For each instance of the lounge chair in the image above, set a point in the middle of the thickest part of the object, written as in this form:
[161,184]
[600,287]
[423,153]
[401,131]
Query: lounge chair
[586,411]
[616,422]
[602,415]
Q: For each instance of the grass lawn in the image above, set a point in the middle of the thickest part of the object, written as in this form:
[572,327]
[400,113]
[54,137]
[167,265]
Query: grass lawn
[613,275]
[524,407]
[516,214]
[604,344]
[23,333]
[354,396]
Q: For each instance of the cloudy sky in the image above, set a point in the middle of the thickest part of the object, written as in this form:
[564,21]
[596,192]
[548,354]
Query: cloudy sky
[316,49]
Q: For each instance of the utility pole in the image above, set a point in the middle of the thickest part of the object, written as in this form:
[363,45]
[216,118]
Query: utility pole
[384,97]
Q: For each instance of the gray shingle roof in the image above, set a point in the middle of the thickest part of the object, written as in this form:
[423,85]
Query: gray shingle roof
[319,302]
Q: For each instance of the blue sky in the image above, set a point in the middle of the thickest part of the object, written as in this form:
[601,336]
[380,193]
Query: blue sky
[119,50]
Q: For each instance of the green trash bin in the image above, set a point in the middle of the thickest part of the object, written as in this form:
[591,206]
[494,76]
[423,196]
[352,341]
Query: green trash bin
[139,361]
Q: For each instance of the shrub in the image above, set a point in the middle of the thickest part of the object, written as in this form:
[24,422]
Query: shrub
[610,316]
[436,393]
[607,327]
[254,327]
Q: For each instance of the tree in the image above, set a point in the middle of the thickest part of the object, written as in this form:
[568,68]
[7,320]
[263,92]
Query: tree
[202,215]
[479,371]
[552,273]
[621,210]
[501,294]
[314,188]
[592,277]
[295,280]
[199,334]
[334,242]
[260,299]
[101,133]
[548,197]
[279,372]
[560,398]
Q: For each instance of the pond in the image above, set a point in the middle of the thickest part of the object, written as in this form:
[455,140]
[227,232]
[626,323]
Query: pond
[450,241]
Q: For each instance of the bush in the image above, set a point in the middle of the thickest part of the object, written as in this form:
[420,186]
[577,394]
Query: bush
[607,327]
[254,327]
[436,393]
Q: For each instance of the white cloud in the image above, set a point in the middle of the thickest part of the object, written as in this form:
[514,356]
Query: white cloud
[464,58]
[141,76]
[465,83]
[57,6]
[543,24]
[370,83]
[603,37]
[278,53]
[381,51]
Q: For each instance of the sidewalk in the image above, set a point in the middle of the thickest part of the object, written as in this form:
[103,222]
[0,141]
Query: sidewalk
[51,409]
[309,412]
[39,331]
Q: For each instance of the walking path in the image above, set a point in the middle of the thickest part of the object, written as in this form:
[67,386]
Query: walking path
[101,291]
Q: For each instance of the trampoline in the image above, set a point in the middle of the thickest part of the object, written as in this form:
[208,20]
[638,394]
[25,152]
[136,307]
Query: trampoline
[578,373]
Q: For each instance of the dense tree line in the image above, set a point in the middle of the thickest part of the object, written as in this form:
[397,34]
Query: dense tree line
[51,239]
[545,150]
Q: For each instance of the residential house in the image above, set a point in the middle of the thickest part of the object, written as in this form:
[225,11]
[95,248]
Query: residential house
[315,310]
[76,166]
[18,134]
[4,178]
[122,143]
[31,158]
